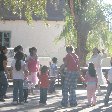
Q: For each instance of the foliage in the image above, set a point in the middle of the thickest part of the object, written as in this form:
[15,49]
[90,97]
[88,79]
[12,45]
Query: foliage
[27,8]
[68,30]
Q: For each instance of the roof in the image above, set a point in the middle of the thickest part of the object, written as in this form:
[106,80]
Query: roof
[54,14]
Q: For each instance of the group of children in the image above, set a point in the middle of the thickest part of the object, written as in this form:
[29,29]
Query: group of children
[27,73]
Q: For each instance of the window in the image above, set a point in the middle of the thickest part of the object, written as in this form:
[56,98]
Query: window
[5,38]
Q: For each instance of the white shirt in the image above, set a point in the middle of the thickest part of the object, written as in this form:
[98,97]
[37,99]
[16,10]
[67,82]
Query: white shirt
[17,74]
[110,75]
[53,70]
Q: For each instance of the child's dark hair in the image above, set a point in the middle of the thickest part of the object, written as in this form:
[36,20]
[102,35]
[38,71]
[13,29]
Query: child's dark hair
[3,48]
[18,56]
[54,59]
[18,48]
[31,50]
[91,70]
[69,48]
[44,69]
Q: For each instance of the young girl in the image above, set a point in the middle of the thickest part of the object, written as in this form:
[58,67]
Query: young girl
[91,80]
[18,68]
[53,75]
[43,83]
[33,67]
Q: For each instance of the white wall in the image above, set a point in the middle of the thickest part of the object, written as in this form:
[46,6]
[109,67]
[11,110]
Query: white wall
[37,35]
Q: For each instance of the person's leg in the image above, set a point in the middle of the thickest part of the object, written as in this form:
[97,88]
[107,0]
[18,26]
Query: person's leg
[72,89]
[15,90]
[44,95]
[66,85]
[4,84]
[94,95]
[99,90]
[41,95]
[51,86]
[25,94]
[1,94]
[89,94]
[109,89]
[21,99]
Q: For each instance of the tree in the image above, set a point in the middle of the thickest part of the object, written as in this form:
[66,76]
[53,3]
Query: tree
[26,8]
[82,17]
[88,16]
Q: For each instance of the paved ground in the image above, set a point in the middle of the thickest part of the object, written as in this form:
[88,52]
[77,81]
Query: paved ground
[53,103]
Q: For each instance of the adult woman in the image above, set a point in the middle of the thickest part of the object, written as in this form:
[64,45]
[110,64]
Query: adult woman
[96,59]
[71,62]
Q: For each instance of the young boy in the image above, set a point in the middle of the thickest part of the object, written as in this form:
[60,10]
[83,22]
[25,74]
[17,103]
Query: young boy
[26,84]
[109,88]
[43,83]
[53,75]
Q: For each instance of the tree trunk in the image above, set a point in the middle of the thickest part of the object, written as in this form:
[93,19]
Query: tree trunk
[82,28]
[82,33]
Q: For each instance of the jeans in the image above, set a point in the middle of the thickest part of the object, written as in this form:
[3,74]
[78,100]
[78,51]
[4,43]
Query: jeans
[70,84]
[18,89]
[109,90]
[43,95]
[25,92]
[52,86]
[3,84]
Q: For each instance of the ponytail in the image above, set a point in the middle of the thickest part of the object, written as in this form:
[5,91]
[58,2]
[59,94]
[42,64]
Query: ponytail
[18,56]
[18,65]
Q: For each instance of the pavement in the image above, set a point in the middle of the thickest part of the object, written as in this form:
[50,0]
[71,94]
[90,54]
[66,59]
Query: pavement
[53,103]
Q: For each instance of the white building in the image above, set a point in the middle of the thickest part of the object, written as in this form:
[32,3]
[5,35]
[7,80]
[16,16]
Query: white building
[15,31]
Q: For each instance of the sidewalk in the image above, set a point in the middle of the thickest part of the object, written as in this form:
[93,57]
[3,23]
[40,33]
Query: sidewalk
[53,103]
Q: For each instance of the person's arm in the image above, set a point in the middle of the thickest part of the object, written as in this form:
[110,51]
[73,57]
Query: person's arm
[5,67]
[82,78]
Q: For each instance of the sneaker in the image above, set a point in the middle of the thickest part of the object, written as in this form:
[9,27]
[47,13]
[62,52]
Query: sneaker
[25,101]
[15,102]
[2,100]
[93,104]
[64,105]
[21,103]
[73,105]
[89,104]
[99,93]
[105,104]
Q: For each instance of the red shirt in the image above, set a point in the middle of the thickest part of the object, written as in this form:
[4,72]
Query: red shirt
[72,62]
[43,80]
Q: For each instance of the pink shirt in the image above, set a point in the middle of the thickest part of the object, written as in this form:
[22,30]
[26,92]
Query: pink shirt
[32,65]
[88,78]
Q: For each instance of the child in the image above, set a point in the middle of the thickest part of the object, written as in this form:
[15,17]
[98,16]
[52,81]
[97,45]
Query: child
[33,67]
[109,88]
[53,75]
[63,71]
[25,88]
[43,83]
[18,68]
[91,80]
